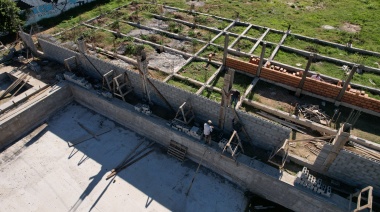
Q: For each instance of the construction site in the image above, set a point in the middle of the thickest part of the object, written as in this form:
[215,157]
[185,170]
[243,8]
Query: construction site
[110,115]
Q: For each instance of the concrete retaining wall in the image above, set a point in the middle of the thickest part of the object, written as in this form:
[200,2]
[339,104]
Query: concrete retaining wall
[32,114]
[243,174]
[264,133]
[356,170]
[28,41]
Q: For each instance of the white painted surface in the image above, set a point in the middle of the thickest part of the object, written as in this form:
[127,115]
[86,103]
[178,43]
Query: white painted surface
[49,176]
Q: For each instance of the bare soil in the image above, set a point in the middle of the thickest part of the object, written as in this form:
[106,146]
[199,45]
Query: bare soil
[350,27]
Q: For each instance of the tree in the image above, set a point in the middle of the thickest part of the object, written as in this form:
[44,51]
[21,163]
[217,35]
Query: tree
[9,16]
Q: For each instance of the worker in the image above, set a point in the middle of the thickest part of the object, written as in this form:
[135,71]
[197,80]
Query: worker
[207,129]
[317,77]
[235,97]
[210,56]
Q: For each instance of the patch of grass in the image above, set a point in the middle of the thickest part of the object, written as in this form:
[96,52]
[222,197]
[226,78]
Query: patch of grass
[237,29]
[255,32]
[215,96]
[268,50]
[125,28]
[244,45]
[210,49]
[290,58]
[363,79]
[327,68]
[219,80]
[273,37]
[183,85]
[332,52]
[220,40]
[197,70]
[241,82]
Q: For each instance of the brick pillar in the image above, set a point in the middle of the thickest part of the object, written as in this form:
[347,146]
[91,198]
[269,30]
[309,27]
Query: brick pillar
[340,140]
[302,82]
[345,85]
[261,59]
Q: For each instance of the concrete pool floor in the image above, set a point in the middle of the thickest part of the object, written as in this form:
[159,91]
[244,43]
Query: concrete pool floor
[48,175]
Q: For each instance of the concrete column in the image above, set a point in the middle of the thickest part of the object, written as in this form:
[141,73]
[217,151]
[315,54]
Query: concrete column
[225,53]
[231,72]
[340,140]
[302,82]
[261,59]
[345,85]
[82,46]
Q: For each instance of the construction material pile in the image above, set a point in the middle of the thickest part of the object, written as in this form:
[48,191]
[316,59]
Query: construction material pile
[313,113]
[307,180]
[193,131]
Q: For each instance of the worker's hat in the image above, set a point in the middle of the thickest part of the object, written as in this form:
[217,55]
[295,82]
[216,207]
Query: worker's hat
[209,121]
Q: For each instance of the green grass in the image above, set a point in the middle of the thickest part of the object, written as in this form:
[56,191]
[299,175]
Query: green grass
[241,81]
[363,79]
[215,96]
[237,29]
[268,50]
[220,40]
[211,49]
[332,52]
[183,85]
[198,71]
[327,68]
[290,58]
[255,32]
[244,45]
[273,37]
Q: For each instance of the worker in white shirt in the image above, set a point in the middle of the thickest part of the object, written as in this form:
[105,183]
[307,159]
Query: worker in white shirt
[207,129]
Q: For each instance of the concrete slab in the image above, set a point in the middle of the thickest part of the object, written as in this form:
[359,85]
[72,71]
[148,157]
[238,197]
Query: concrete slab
[45,174]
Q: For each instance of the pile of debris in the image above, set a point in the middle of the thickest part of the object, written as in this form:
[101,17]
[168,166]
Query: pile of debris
[313,113]
[193,131]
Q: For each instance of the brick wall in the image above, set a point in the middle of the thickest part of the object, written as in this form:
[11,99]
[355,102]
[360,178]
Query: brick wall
[321,88]
[356,170]
[281,77]
[313,86]
[241,65]
[362,101]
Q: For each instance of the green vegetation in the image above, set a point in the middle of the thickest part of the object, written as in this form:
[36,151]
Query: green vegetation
[241,82]
[215,96]
[255,32]
[273,37]
[199,71]
[9,16]
[183,85]
[220,40]
[237,29]
[213,49]
[244,45]
[291,58]
[268,50]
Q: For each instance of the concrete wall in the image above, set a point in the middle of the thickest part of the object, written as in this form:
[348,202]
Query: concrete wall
[33,113]
[28,41]
[264,133]
[356,170]
[270,187]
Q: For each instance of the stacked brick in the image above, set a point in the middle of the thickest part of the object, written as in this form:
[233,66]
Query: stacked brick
[321,88]
[361,101]
[307,180]
[250,68]
[280,75]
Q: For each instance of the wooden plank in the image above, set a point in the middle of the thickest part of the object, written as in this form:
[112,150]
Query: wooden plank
[86,137]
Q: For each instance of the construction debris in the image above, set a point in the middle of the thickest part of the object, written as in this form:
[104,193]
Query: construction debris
[143,108]
[69,76]
[313,113]
[307,180]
